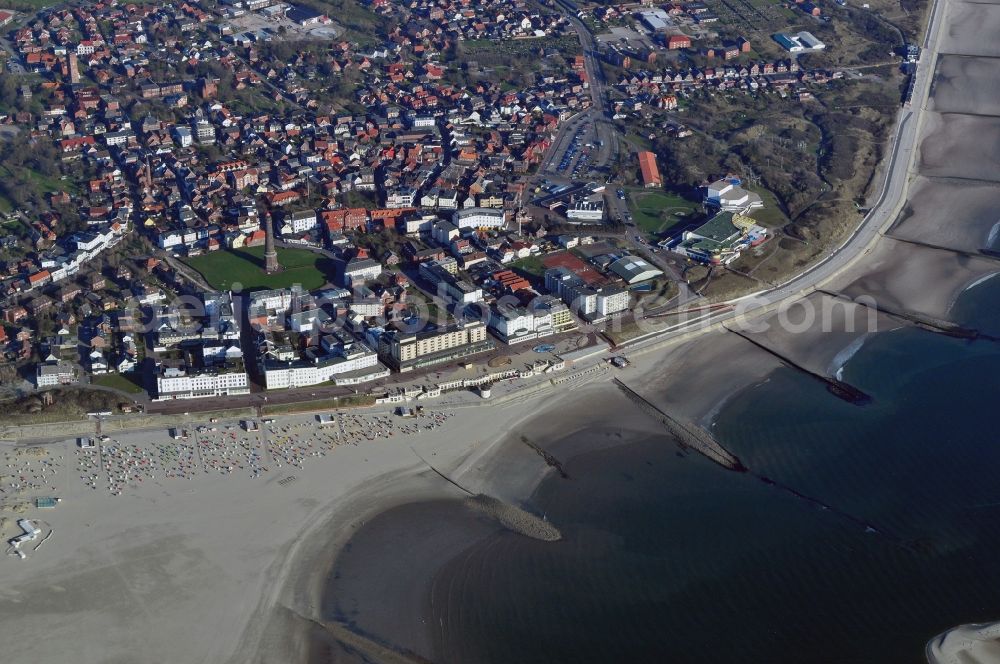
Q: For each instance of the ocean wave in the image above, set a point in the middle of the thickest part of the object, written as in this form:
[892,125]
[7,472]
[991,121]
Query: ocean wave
[979,281]
[844,356]
[994,235]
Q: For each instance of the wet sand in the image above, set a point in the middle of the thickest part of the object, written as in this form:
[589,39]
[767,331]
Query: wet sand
[972,29]
[358,535]
[957,214]
[821,332]
[434,531]
[966,644]
[952,204]
[960,146]
[910,278]
[188,538]
[966,84]
[693,380]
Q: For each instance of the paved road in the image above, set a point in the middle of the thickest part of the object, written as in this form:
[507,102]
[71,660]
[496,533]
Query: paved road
[873,226]
[878,219]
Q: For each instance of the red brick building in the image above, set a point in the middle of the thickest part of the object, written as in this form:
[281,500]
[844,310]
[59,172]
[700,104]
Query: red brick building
[678,41]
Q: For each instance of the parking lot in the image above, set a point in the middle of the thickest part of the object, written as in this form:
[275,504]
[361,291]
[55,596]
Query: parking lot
[270,28]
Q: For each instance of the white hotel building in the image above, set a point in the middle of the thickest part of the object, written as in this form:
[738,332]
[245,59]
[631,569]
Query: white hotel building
[279,375]
[478,217]
[181,383]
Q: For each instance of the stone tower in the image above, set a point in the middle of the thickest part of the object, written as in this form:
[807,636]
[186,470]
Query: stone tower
[271,264]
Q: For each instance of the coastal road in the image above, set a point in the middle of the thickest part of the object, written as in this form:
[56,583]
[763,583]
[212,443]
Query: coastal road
[876,222]
[879,217]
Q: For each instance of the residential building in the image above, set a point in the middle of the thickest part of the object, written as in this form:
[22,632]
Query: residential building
[405,351]
[299,222]
[478,217]
[360,268]
[50,374]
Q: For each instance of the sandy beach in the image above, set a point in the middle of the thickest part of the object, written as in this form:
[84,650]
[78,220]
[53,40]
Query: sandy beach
[910,278]
[966,644]
[152,536]
[694,379]
[223,547]
[971,205]
[436,528]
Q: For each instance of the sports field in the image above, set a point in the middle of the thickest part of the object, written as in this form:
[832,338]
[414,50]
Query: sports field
[655,211]
[224,269]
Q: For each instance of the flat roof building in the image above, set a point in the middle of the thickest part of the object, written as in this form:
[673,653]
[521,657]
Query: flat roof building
[729,195]
[802,41]
[633,270]
[721,239]
[656,20]
[407,351]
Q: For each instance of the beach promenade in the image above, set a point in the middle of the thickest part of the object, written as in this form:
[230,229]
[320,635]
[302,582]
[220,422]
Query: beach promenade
[215,548]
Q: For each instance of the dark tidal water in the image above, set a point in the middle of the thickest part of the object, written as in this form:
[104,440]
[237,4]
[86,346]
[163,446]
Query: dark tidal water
[669,558]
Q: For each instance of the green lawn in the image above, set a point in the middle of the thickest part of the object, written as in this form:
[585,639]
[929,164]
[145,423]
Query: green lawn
[655,211]
[361,199]
[350,401]
[118,382]
[640,141]
[224,269]
[770,215]
[531,265]
[44,183]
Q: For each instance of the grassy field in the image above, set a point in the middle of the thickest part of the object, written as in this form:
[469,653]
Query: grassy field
[771,215]
[353,401]
[118,382]
[361,199]
[484,49]
[44,183]
[13,227]
[531,265]
[223,269]
[67,405]
[654,211]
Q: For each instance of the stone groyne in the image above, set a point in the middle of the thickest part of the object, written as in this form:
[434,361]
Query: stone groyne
[837,388]
[514,518]
[689,435]
[936,325]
